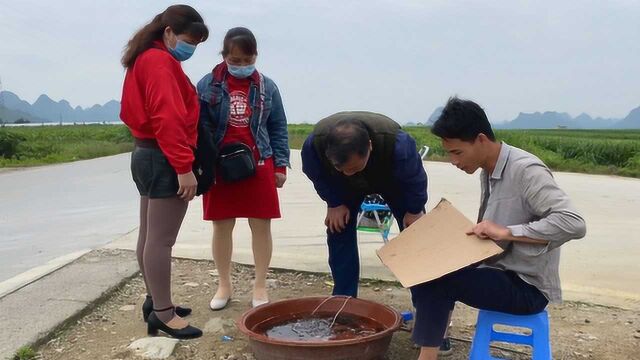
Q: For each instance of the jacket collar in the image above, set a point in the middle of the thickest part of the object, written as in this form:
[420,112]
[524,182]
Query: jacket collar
[503,157]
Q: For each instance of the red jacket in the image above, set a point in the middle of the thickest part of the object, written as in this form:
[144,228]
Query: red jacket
[159,102]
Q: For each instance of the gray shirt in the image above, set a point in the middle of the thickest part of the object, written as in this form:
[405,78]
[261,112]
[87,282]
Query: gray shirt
[522,195]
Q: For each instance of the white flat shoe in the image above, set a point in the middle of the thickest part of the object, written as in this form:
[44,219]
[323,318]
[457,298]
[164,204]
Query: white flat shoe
[219,304]
[256,302]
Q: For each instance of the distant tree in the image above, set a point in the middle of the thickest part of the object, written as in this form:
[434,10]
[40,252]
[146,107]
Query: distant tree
[22,121]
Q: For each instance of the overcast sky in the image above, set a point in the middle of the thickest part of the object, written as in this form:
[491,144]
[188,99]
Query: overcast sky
[400,58]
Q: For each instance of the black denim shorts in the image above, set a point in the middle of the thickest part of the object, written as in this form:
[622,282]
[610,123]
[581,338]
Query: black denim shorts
[152,173]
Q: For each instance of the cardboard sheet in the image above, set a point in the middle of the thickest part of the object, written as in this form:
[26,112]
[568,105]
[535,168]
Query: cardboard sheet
[435,245]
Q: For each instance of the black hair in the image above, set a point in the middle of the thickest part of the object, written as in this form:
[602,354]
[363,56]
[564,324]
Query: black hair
[462,119]
[241,38]
[182,19]
[346,138]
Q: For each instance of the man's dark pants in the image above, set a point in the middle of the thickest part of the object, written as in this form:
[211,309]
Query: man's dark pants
[479,287]
[344,259]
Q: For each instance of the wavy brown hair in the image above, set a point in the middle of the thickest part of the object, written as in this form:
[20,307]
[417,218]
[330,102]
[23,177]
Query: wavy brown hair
[182,19]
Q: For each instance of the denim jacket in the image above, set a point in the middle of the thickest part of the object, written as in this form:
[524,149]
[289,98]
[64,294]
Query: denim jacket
[268,124]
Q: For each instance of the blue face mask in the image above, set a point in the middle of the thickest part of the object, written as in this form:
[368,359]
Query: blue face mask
[182,51]
[241,72]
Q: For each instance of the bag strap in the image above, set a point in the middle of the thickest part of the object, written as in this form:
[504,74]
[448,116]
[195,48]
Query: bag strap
[263,96]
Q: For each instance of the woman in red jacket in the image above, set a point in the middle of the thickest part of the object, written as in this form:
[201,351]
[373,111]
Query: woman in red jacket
[160,107]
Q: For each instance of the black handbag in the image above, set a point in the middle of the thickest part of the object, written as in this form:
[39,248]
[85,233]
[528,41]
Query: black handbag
[236,162]
[206,156]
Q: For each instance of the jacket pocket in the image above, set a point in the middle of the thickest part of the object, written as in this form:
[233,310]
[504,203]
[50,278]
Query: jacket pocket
[212,95]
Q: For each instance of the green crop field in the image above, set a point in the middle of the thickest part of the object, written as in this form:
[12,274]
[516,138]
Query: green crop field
[615,152]
[39,145]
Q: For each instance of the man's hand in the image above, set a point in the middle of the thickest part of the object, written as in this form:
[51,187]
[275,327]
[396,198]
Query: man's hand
[410,218]
[280,179]
[337,218]
[490,230]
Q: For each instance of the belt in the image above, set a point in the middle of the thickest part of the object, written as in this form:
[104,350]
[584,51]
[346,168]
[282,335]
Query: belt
[147,143]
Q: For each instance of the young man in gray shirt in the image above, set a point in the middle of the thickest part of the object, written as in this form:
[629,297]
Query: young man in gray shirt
[522,210]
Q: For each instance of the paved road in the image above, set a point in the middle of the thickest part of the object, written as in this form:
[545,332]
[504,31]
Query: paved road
[52,211]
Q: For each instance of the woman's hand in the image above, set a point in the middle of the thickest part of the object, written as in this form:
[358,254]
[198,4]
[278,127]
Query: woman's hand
[280,179]
[187,186]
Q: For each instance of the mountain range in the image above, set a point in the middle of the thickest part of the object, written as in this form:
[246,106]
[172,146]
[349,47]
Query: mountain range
[555,120]
[44,109]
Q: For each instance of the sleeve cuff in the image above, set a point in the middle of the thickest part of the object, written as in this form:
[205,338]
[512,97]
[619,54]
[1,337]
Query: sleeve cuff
[281,170]
[516,230]
[183,170]
[416,210]
[529,249]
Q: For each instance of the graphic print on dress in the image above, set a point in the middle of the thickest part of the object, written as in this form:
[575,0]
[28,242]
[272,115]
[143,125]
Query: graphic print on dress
[239,109]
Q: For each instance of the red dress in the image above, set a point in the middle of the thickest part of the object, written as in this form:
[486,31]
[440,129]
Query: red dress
[255,197]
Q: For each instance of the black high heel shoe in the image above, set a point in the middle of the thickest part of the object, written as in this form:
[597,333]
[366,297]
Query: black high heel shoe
[147,308]
[154,325]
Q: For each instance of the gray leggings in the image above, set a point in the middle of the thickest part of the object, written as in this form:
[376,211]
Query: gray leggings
[160,221]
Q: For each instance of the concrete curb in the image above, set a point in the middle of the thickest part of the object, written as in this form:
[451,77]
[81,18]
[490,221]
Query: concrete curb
[19,281]
[103,298]
[36,312]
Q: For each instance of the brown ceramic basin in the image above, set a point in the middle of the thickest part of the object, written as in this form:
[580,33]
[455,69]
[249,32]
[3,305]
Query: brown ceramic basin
[369,347]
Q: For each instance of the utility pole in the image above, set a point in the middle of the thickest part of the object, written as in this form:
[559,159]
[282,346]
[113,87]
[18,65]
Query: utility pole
[1,102]
[1,96]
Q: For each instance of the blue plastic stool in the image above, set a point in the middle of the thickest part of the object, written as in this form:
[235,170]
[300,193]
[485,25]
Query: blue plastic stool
[485,334]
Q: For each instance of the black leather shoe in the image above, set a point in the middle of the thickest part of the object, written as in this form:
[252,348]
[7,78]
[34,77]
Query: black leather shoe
[147,307]
[154,325]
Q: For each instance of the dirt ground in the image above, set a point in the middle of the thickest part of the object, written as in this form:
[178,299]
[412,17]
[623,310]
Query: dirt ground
[578,330]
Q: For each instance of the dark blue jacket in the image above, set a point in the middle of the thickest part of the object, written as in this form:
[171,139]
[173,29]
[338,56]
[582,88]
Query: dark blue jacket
[408,176]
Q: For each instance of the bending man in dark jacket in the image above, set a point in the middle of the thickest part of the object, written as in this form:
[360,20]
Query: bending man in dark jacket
[353,154]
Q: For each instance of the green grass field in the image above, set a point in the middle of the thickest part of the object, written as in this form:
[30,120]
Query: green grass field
[615,152]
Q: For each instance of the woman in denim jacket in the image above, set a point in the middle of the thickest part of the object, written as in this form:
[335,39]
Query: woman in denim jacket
[241,108]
